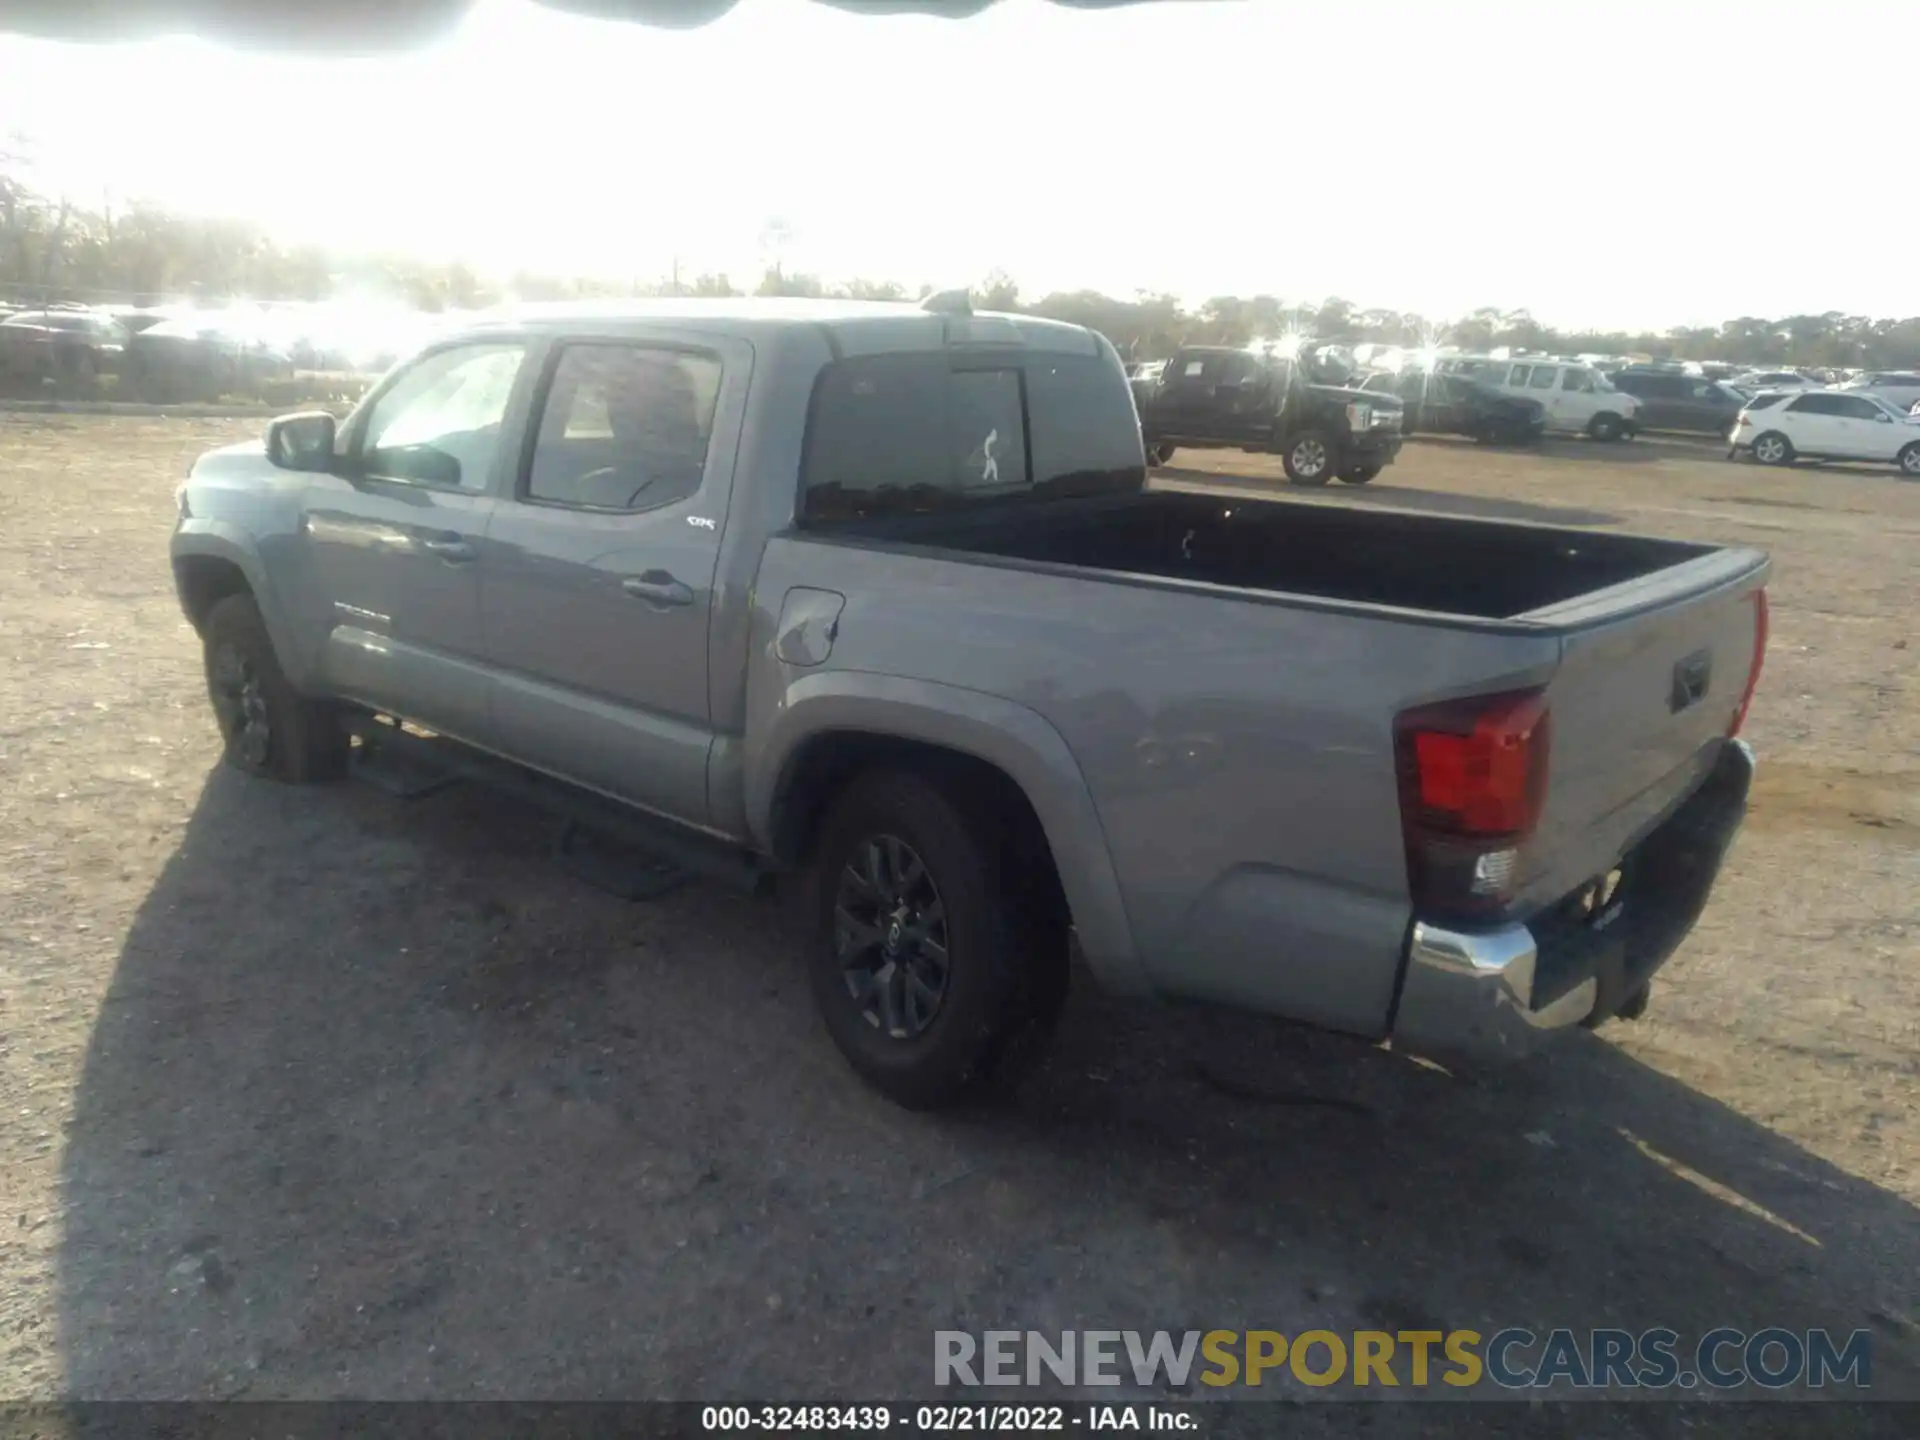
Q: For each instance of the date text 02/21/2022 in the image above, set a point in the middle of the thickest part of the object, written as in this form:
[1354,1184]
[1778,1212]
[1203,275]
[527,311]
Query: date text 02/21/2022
[944,1419]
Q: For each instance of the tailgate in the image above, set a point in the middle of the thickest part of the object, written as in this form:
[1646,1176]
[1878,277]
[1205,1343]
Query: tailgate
[1650,677]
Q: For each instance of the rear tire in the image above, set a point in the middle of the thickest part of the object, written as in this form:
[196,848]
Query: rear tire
[1308,458]
[268,728]
[1360,474]
[1910,461]
[1158,455]
[1607,427]
[1773,448]
[934,967]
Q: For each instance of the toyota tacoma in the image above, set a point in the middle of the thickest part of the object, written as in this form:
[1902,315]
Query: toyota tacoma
[876,600]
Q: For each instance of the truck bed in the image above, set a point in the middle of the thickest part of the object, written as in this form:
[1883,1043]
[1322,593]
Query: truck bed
[1206,658]
[1467,567]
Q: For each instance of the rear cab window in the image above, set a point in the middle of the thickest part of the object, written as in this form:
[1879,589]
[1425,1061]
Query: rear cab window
[901,434]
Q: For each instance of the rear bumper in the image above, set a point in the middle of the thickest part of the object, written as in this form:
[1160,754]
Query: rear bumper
[1500,994]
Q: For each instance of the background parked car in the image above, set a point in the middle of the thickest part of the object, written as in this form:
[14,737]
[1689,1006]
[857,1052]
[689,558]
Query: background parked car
[61,344]
[133,319]
[1578,399]
[1217,397]
[1781,427]
[1899,388]
[1454,405]
[1754,381]
[1673,401]
[201,358]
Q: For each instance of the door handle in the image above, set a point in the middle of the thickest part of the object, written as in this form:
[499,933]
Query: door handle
[450,548]
[657,588]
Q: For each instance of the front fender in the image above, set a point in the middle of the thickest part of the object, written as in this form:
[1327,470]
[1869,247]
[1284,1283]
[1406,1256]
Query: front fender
[1016,739]
[220,540]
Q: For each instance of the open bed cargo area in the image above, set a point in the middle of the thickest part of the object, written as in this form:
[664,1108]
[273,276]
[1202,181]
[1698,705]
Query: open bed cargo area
[1436,563]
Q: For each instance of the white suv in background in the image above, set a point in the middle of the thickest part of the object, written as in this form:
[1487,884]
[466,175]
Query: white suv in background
[1779,427]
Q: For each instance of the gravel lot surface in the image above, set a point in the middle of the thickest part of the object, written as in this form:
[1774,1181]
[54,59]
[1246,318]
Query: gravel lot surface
[314,1093]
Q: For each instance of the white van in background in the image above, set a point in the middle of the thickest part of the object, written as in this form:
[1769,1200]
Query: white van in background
[1578,399]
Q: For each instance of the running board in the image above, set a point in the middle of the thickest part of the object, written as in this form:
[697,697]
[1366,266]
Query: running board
[594,828]
[399,774]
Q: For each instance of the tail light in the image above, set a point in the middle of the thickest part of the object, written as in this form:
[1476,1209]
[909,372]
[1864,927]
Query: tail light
[1759,659]
[1473,781]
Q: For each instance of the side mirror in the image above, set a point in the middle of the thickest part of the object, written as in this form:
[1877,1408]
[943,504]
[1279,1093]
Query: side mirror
[302,442]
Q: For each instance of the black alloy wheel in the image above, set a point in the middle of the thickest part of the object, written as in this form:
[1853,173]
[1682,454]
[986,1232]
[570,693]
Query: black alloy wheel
[240,706]
[890,936]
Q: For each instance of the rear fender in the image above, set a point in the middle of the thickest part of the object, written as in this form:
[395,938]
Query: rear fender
[1017,740]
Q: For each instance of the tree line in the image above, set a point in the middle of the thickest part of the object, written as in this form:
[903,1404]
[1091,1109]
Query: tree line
[54,249]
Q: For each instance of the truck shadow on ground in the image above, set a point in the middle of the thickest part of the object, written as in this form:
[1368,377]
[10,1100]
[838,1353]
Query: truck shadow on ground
[1395,497]
[382,1104]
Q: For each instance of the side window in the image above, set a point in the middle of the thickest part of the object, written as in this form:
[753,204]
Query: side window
[1543,377]
[1517,376]
[624,427]
[1814,405]
[439,423]
[1234,369]
[1193,367]
[1855,408]
[1577,380]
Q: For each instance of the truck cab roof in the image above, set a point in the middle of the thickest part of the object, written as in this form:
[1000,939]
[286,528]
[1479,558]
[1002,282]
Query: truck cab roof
[852,327]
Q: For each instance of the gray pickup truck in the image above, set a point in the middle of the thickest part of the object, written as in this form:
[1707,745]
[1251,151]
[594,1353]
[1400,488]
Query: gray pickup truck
[877,597]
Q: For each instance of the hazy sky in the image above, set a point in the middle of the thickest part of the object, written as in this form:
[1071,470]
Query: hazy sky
[1607,163]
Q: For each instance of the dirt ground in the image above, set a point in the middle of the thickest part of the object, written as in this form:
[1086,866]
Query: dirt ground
[315,1093]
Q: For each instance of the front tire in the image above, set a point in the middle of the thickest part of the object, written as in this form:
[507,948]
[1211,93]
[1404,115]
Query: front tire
[1910,461]
[928,958]
[1308,458]
[1607,427]
[268,728]
[1158,455]
[1773,448]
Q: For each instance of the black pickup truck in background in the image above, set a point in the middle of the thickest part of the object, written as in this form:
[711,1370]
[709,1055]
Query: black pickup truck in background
[1212,397]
